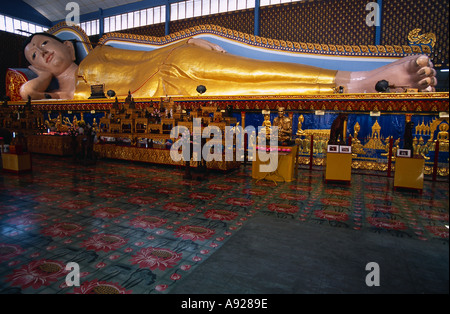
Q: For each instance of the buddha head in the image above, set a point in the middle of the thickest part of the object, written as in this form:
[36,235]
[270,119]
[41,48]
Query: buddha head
[48,53]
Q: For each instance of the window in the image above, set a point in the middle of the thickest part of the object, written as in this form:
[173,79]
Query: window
[214,6]
[174,11]
[189,9]
[9,24]
[130,18]
[87,27]
[242,4]
[32,28]
[157,15]
[197,7]
[112,24]
[182,10]
[118,23]
[16,26]
[91,27]
[178,11]
[24,27]
[272,2]
[193,8]
[150,16]
[106,25]
[206,8]
[232,5]
[135,19]
[143,20]
[124,21]
[2,23]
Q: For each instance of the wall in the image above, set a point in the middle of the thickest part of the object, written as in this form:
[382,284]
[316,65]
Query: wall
[11,56]
[402,16]
[323,22]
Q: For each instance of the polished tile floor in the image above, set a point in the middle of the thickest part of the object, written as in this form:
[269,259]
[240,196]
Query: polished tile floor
[136,228]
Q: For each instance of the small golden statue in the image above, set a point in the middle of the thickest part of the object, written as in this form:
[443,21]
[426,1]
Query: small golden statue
[284,126]
[420,148]
[395,147]
[58,123]
[443,137]
[443,132]
[301,119]
[94,125]
[266,123]
[357,147]
[356,130]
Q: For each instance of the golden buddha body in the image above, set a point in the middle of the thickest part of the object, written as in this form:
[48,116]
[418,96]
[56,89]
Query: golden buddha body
[178,69]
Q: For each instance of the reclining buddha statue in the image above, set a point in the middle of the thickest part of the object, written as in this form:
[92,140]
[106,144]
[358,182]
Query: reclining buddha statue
[177,69]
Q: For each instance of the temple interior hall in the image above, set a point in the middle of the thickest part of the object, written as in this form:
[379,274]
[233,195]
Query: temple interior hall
[245,152]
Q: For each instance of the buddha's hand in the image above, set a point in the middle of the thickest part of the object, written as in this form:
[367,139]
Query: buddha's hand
[36,87]
[205,44]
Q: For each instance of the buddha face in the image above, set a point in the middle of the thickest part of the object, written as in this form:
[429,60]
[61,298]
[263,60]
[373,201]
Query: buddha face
[49,55]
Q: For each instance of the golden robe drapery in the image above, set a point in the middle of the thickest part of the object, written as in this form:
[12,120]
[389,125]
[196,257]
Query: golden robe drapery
[178,69]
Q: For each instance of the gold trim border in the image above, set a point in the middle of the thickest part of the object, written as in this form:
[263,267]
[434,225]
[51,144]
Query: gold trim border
[384,103]
[270,43]
[337,97]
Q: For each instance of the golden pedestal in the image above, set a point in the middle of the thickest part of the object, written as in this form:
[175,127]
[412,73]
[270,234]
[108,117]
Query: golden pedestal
[339,167]
[49,144]
[16,162]
[155,155]
[409,173]
[287,168]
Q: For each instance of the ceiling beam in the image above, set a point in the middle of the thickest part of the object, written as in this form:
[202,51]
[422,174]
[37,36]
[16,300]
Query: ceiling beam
[23,11]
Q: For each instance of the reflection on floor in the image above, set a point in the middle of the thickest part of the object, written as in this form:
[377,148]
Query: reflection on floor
[139,228]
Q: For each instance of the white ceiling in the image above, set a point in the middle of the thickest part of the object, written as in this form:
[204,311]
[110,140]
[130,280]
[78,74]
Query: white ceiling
[55,10]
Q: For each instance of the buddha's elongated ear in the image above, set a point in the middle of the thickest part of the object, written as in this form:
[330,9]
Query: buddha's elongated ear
[71,49]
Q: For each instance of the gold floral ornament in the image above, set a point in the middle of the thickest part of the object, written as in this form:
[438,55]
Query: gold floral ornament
[427,39]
